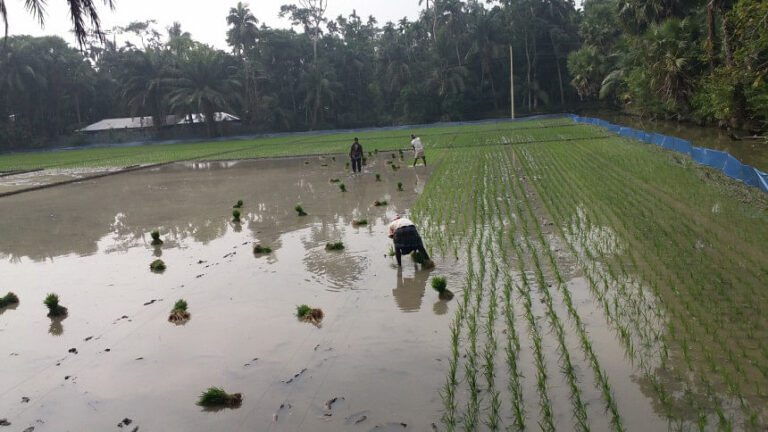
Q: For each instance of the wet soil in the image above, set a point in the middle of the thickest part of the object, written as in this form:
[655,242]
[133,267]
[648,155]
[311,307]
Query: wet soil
[381,351]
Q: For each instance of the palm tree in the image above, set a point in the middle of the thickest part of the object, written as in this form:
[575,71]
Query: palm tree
[79,10]
[204,84]
[145,84]
[243,32]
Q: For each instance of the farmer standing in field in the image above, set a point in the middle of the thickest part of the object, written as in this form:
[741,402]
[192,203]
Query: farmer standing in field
[356,154]
[403,233]
[418,150]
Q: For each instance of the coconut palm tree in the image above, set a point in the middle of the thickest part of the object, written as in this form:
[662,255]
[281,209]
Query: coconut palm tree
[79,11]
[243,31]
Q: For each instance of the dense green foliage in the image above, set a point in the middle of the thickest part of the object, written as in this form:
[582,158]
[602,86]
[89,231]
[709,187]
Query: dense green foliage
[703,61]
[8,299]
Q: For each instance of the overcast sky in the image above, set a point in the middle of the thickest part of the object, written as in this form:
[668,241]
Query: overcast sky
[205,20]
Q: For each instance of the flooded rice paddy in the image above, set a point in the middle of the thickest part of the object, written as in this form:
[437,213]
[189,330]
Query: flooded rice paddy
[379,351]
[600,284]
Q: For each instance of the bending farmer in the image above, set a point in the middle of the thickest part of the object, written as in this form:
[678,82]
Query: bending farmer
[403,233]
[356,154]
[418,150]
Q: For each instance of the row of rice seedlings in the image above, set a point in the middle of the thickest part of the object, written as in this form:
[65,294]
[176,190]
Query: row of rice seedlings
[561,171]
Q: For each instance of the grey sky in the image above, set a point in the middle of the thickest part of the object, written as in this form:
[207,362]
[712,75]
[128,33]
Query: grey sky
[204,19]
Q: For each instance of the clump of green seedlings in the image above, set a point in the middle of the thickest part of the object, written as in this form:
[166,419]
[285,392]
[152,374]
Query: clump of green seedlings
[54,308]
[238,204]
[306,162]
[379,203]
[333,158]
[309,314]
[334,180]
[299,210]
[365,161]
[236,215]
[156,240]
[400,186]
[369,153]
[334,246]
[395,167]
[358,222]
[261,249]
[8,300]
[391,251]
[378,177]
[346,165]
[323,164]
[217,397]
[179,314]
[439,284]
[419,258]
[393,155]
[342,187]
[401,153]
[157,266]
[376,151]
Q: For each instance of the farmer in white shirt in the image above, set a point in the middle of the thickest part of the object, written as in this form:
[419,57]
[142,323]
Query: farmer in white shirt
[403,233]
[418,150]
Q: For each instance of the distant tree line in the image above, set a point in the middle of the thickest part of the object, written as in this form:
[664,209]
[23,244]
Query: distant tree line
[703,60]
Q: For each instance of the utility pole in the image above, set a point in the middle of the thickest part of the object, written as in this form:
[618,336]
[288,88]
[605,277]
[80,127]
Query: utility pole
[511,82]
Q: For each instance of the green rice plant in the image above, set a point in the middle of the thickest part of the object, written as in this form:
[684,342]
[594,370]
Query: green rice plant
[216,397]
[365,161]
[157,266]
[261,249]
[393,155]
[180,305]
[308,314]
[419,258]
[54,308]
[334,180]
[236,215]
[395,167]
[342,187]
[302,310]
[439,284]
[238,204]
[156,237]
[333,158]
[379,203]
[378,177]
[306,162]
[299,210]
[400,186]
[8,300]
[358,222]
[391,251]
[334,246]
[346,165]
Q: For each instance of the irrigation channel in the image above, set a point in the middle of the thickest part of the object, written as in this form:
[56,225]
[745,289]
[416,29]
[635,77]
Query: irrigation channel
[600,284]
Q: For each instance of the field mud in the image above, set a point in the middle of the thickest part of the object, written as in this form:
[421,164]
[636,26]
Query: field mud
[375,362]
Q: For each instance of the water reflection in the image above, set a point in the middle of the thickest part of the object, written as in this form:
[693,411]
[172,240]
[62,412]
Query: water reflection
[11,306]
[56,328]
[410,290]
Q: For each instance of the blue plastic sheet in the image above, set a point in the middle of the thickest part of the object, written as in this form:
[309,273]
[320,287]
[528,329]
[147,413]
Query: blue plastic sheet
[723,161]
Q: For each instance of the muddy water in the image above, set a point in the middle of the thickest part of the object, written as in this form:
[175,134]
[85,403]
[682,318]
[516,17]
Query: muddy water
[381,349]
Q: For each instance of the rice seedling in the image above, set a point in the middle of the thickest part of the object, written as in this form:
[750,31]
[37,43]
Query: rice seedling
[238,204]
[236,215]
[400,186]
[179,314]
[261,249]
[419,258]
[156,237]
[439,284]
[216,397]
[157,266]
[365,161]
[334,246]
[346,165]
[54,308]
[308,314]
[395,167]
[358,222]
[299,210]
[342,187]
[8,300]
[334,180]
[379,203]
[378,177]
[306,162]
[391,251]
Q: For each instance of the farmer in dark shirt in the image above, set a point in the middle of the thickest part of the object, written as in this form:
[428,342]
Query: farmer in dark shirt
[356,154]
[403,233]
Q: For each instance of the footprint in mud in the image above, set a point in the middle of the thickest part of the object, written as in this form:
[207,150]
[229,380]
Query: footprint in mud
[356,418]
[285,408]
[390,427]
[296,375]
[329,403]
[252,361]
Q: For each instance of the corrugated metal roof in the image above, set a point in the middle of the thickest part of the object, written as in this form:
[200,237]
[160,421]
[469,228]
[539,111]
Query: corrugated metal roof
[146,122]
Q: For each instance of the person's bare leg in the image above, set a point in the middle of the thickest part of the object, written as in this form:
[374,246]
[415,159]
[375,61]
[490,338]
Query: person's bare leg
[415,160]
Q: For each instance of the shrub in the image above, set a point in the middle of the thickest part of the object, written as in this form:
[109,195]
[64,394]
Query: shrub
[54,308]
[261,249]
[157,265]
[239,204]
[400,186]
[439,284]
[300,210]
[217,397]
[9,299]
[236,215]
[334,246]
[342,187]
[156,237]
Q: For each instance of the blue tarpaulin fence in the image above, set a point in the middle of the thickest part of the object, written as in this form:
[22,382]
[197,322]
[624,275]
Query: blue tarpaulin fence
[723,161]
